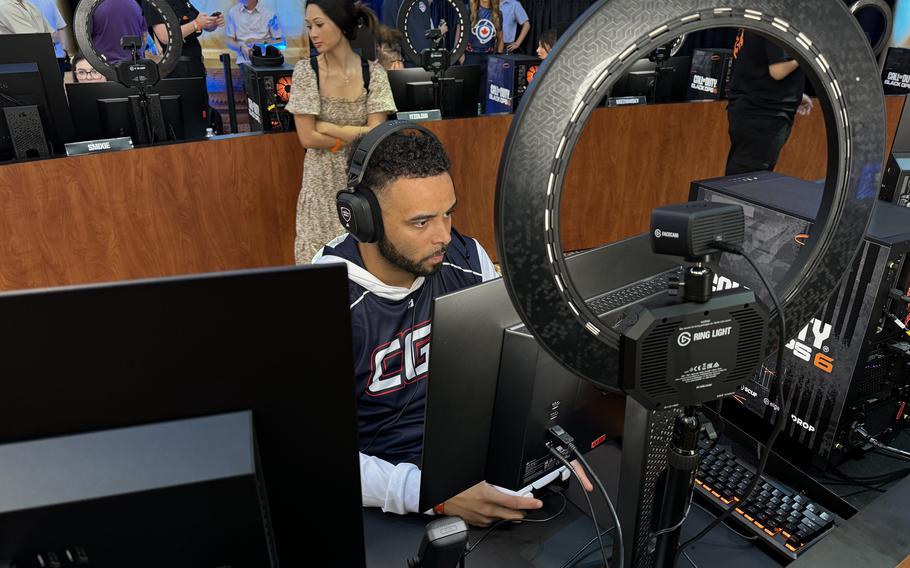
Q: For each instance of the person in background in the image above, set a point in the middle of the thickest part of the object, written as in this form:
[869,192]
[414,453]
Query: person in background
[192,24]
[390,12]
[113,19]
[83,72]
[22,17]
[332,106]
[545,43]
[58,26]
[248,23]
[484,37]
[513,16]
[388,48]
[766,92]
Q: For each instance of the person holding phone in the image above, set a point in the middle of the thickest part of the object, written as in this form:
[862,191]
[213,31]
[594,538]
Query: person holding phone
[193,24]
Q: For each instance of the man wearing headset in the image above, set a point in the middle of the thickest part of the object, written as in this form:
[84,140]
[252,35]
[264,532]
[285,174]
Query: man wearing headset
[405,253]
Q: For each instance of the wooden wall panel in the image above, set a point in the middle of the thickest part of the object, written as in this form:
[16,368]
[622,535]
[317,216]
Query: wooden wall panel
[628,161]
[177,209]
[230,203]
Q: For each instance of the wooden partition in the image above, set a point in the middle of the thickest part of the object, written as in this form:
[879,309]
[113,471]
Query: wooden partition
[230,203]
[628,161]
[176,209]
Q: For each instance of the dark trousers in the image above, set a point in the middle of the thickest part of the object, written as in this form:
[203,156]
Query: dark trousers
[188,67]
[755,142]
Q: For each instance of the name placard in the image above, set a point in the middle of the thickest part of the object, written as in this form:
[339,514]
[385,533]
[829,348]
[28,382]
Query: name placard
[96,146]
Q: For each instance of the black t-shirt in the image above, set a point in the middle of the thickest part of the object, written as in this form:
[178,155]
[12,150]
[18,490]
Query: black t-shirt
[186,13]
[753,90]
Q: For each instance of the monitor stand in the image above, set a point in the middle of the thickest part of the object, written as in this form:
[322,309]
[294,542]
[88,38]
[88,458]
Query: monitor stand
[148,118]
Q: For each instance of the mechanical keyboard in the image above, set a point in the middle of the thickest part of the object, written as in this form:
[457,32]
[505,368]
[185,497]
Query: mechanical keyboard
[638,291]
[786,520]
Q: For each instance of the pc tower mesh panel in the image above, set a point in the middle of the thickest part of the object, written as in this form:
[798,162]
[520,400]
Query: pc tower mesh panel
[26,132]
[644,458]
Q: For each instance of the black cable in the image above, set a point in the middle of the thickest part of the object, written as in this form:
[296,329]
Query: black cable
[729,527]
[470,547]
[577,556]
[869,478]
[618,540]
[565,462]
[784,411]
[684,517]
[893,453]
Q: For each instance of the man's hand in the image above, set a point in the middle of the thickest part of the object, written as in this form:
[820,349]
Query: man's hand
[246,50]
[805,107]
[483,504]
[208,23]
[514,46]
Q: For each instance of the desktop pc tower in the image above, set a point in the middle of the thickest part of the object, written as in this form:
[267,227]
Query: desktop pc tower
[268,90]
[896,177]
[508,77]
[851,363]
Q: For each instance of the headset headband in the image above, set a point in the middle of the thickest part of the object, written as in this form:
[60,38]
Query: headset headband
[368,144]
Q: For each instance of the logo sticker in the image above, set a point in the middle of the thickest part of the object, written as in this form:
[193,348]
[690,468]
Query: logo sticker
[484,31]
[346,214]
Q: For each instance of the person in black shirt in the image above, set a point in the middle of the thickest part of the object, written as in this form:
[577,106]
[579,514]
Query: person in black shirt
[766,91]
[192,24]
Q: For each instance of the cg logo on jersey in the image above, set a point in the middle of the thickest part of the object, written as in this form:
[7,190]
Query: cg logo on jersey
[403,360]
[484,31]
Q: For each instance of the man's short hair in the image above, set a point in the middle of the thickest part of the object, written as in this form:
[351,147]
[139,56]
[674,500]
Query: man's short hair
[403,155]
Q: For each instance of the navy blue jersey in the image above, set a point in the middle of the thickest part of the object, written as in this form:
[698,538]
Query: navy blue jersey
[391,333]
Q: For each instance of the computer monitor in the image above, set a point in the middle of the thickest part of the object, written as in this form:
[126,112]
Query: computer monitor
[493,391]
[413,90]
[102,110]
[37,50]
[659,86]
[94,360]
[21,86]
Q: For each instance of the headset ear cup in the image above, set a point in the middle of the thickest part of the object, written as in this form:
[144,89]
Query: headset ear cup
[359,213]
[375,212]
[271,58]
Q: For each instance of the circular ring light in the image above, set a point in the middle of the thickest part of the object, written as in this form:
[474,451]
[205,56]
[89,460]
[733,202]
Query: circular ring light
[460,27]
[597,50]
[83,25]
[885,10]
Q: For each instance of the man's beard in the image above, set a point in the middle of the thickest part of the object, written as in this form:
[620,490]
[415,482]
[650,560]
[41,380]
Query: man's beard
[391,254]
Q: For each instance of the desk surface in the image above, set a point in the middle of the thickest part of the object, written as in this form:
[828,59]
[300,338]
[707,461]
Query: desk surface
[392,539]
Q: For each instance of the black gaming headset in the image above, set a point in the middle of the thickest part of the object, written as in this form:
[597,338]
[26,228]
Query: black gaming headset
[357,206]
[271,58]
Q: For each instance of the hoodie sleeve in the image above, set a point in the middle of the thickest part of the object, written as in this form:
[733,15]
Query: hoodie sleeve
[487,268]
[393,488]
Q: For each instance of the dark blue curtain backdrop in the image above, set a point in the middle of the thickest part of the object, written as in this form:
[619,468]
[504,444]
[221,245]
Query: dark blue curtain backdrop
[559,15]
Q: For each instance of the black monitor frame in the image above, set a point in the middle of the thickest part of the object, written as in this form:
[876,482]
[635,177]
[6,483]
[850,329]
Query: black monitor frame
[88,99]
[106,356]
[461,424]
[39,49]
[468,75]
[21,85]
[639,80]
